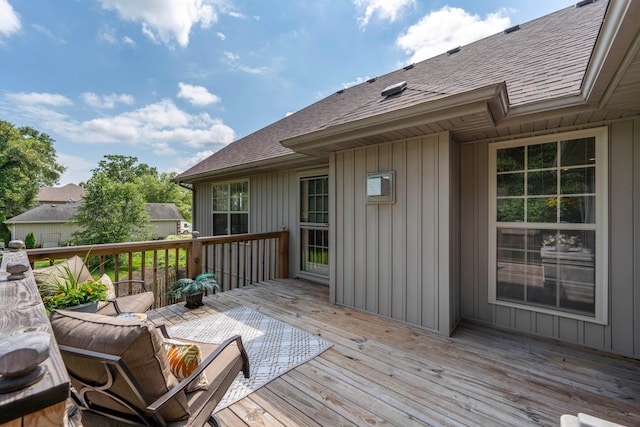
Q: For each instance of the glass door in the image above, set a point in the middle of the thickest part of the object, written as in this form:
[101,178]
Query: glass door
[314,225]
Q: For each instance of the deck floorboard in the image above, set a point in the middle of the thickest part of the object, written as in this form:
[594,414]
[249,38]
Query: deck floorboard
[383,372]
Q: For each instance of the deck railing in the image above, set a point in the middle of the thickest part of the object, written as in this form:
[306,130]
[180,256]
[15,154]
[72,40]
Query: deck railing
[236,260]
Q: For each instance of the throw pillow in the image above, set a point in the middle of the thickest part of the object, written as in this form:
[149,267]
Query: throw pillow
[109,287]
[184,358]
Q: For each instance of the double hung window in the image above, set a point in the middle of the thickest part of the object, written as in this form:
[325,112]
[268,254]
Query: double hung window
[231,208]
[548,224]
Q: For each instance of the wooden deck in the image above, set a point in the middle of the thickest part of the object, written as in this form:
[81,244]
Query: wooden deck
[381,372]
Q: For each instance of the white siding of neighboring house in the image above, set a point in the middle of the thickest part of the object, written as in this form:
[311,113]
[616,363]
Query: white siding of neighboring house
[47,233]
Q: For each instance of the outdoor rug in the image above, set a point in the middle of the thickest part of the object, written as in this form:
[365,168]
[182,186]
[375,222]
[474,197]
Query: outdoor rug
[273,347]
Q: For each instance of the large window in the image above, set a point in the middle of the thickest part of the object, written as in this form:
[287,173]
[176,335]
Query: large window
[548,224]
[231,208]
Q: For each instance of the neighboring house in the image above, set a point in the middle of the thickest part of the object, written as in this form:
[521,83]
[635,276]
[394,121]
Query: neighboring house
[69,193]
[53,225]
[499,185]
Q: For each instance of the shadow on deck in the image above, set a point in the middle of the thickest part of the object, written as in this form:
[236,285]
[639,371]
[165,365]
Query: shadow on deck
[382,372]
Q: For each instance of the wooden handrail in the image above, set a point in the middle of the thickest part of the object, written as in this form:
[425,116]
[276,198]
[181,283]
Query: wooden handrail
[236,260]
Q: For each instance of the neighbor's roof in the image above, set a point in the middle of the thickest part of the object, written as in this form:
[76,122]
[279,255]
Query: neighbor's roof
[543,59]
[62,194]
[50,212]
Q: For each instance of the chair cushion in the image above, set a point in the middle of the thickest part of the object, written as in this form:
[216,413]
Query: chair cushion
[184,358]
[140,348]
[58,273]
[136,303]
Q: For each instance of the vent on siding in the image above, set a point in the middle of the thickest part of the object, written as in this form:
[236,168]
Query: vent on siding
[394,89]
[512,29]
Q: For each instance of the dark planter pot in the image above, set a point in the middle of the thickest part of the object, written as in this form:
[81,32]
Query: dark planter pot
[88,307]
[194,301]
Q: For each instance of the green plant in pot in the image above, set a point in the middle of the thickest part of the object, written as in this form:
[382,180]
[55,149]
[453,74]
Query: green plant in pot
[193,289]
[70,293]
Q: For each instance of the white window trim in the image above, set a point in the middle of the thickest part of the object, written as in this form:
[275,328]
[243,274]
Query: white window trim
[602,221]
[228,212]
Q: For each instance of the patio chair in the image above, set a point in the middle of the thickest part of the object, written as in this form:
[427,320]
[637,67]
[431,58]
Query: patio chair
[120,371]
[135,303]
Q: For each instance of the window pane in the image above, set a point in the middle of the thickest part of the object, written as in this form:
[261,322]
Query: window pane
[542,156]
[578,151]
[542,209]
[510,184]
[220,224]
[239,223]
[542,183]
[578,181]
[220,198]
[239,197]
[510,210]
[510,159]
[511,264]
[578,210]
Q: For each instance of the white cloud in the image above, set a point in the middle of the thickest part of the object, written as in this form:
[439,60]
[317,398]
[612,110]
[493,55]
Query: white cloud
[383,9]
[108,34]
[165,20]
[152,125]
[161,122]
[35,98]
[9,19]
[106,101]
[233,61]
[446,29]
[186,162]
[44,30]
[197,95]
[128,41]
[221,36]
[78,169]
[357,81]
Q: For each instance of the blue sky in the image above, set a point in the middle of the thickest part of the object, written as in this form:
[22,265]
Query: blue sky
[172,81]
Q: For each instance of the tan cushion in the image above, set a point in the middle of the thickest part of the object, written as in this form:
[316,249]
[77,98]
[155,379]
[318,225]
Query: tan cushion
[57,274]
[139,346]
[136,303]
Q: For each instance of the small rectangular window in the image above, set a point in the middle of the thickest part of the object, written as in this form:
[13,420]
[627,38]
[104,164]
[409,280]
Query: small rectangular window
[230,208]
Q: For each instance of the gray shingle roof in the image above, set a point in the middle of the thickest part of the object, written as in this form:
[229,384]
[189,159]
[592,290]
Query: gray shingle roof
[61,194]
[546,58]
[49,212]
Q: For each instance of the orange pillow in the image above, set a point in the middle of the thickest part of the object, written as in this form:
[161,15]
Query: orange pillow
[184,358]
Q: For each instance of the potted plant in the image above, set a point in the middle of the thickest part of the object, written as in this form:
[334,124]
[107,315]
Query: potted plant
[70,293]
[193,289]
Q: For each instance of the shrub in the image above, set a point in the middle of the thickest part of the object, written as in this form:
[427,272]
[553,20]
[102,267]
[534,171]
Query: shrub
[30,240]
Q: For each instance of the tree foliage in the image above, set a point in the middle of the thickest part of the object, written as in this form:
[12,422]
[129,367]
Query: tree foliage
[27,162]
[155,187]
[111,212]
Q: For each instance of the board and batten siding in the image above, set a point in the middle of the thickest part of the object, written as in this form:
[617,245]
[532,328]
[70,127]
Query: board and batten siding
[397,259]
[622,333]
[273,205]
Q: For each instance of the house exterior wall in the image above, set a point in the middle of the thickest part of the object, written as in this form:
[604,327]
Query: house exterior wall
[162,229]
[273,206]
[622,333]
[397,260]
[47,233]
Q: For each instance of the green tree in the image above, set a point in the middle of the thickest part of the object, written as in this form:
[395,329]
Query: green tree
[123,169]
[111,212]
[30,240]
[161,189]
[27,162]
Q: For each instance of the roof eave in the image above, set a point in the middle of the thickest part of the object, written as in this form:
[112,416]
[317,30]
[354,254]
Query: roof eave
[493,98]
[274,163]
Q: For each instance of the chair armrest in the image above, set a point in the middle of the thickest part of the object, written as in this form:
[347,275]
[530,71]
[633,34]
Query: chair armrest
[163,330]
[140,282]
[155,406]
